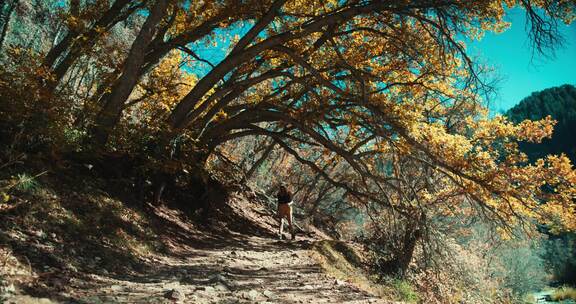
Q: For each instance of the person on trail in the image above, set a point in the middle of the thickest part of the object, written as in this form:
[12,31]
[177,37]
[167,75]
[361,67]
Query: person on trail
[285,210]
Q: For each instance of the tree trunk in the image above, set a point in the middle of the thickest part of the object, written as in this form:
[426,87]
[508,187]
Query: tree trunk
[3,22]
[75,47]
[411,237]
[59,48]
[159,181]
[258,163]
[75,7]
[112,110]
[179,116]
[400,262]
[319,198]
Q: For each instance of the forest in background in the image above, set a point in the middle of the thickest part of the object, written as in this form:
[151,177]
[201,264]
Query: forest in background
[372,112]
[560,104]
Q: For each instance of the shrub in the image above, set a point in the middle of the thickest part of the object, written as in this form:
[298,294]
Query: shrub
[405,291]
[522,269]
[560,257]
[32,117]
[26,183]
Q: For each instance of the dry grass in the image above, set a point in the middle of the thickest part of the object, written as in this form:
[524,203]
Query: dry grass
[564,293]
[91,215]
[345,263]
[529,299]
[76,221]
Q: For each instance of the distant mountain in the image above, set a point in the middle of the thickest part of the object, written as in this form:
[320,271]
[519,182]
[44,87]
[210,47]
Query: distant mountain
[558,102]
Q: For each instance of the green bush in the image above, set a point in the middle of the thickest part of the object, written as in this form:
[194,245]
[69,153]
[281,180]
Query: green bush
[405,291]
[26,183]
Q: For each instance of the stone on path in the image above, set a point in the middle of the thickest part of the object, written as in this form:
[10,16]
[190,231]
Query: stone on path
[221,287]
[207,289]
[27,300]
[251,295]
[217,278]
[175,295]
[269,294]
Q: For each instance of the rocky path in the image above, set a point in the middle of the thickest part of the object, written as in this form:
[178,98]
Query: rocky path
[260,271]
[221,267]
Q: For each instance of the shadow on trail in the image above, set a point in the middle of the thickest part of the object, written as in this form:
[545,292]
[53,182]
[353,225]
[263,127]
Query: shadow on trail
[70,244]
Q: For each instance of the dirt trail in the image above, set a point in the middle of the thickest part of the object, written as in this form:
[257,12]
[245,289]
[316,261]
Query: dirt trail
[256,270]
[259,271]
[241,263]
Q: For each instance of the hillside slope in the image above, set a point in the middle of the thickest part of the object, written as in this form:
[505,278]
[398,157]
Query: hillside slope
[560,104]
[74,238]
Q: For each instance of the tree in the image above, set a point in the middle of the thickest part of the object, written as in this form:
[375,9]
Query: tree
[83,33]
[385,90]
[110,113]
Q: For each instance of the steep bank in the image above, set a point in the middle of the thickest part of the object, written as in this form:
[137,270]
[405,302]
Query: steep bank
[75,238]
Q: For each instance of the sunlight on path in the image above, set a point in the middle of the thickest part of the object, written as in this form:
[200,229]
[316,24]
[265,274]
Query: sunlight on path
[260,271]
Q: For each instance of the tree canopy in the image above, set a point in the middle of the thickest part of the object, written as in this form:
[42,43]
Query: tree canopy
[384,91]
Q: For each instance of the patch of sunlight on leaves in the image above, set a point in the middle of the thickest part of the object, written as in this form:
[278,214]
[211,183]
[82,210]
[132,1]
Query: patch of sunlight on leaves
[4,197]
[74,138]
[12,271]
[122,239]
[564,293]
[128,228]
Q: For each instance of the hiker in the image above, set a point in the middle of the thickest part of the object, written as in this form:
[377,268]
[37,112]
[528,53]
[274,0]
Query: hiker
[285,210]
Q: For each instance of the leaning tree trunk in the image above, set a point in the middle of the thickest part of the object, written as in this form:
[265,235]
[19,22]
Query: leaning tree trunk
[59,48]
[70,48]
[411,237]
[400,262]
[3,22]
[110,114]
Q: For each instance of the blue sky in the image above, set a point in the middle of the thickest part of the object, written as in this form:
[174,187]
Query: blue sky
[509,53]
[521,73]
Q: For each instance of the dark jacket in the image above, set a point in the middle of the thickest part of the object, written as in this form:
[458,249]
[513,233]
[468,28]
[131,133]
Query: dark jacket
[284,198]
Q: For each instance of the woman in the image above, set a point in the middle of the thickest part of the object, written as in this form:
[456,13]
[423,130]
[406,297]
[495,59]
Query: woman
[285,209]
